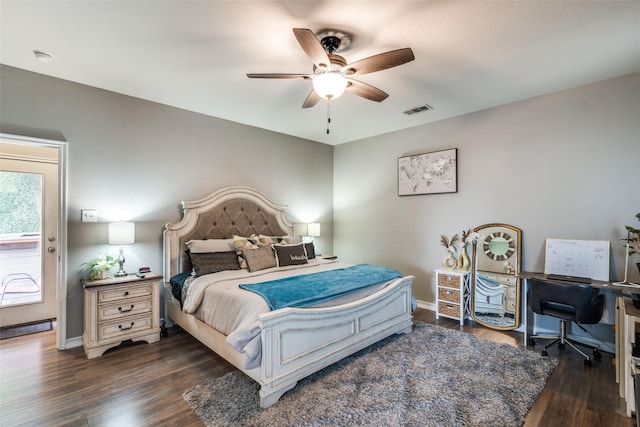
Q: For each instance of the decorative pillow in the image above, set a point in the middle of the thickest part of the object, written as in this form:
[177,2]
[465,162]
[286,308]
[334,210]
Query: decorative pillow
[268,240]
[258,259]
[310,250]
[291,240]
[274,240]
[244,242]
[213,262]
[290,254]
[210,245]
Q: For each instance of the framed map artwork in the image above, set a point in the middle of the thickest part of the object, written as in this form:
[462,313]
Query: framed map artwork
[428,173]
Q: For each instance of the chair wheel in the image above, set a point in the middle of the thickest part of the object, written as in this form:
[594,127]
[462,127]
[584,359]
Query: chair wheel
[587,363]
[532,343]
[544,353]
[597,354]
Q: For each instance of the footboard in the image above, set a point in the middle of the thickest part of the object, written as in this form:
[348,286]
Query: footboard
[299,342]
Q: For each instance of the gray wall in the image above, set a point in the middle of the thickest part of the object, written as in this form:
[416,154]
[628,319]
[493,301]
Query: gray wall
[136,160]
[564,165]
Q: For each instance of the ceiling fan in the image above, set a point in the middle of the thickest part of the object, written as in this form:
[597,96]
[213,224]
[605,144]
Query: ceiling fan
[332,75]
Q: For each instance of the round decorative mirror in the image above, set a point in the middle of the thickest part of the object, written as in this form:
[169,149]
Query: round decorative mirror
[495,290]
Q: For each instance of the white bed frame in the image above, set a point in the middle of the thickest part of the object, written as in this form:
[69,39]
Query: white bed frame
[295,342]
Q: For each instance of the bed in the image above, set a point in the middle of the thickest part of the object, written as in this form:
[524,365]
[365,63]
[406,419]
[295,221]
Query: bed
[293,342]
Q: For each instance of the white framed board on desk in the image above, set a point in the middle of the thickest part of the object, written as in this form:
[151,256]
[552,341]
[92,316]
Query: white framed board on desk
[580,258]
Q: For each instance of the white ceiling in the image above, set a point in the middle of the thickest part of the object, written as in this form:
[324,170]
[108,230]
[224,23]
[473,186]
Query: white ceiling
[470,55]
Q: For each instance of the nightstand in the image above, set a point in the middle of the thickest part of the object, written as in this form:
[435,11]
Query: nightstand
[120,309]
[454,294]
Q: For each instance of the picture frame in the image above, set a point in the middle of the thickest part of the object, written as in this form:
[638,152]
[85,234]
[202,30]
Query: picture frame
[428,173]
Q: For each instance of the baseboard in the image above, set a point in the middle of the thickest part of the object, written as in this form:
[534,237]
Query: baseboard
[73,343]
[426,305]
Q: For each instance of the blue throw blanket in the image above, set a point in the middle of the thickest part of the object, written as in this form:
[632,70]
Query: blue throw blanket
[309,289]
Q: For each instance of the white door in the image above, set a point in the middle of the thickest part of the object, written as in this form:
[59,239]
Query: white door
[28,235]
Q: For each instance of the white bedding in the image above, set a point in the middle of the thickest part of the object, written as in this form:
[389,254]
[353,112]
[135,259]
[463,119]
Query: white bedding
[217,300]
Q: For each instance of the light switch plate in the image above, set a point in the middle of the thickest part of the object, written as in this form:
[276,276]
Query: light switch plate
[89,215]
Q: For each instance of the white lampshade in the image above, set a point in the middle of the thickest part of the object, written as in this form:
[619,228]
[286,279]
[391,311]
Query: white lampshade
[122,233]
[329,85]
[313,229]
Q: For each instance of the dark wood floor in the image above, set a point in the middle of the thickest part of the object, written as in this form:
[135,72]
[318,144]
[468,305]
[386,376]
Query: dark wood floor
[142,384]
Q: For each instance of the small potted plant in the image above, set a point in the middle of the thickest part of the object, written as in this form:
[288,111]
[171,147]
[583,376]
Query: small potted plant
[633,238]
[101,267]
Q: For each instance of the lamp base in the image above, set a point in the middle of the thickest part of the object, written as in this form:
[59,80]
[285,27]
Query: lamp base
[121,271]
[121,260]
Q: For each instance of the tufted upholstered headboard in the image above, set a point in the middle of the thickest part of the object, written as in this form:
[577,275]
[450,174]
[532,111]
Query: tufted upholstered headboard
[238,210]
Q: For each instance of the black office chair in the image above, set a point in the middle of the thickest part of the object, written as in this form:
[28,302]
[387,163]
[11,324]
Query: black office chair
[579,303]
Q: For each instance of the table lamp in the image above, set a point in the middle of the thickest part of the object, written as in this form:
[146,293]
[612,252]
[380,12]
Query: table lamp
[122,233]
[313,230]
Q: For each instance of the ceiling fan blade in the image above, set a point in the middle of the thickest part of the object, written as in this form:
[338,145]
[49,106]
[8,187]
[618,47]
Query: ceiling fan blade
[311,100]
[279,76]
[312,47]
[366,91]
[380,62]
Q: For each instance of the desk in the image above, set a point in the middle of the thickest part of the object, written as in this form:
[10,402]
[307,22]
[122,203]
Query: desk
[525,276]
[627,322]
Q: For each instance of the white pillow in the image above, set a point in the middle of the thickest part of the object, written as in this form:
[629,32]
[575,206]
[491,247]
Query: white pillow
[273,240]
[210,245]
[292,240]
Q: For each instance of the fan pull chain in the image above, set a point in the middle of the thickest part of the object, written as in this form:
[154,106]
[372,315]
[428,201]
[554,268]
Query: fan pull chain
[328,114]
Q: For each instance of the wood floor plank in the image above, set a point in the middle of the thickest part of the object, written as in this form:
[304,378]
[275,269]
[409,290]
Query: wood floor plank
[142,384]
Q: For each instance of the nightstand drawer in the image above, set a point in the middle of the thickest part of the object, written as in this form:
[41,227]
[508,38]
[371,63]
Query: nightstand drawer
[451,295]
[124,292]
[449,309]
[124,328]
[128,307]
[449,281]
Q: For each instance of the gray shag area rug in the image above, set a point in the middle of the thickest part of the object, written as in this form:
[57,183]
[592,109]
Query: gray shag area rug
[430,377]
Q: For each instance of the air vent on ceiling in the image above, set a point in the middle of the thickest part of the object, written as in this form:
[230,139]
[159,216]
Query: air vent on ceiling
[420,109]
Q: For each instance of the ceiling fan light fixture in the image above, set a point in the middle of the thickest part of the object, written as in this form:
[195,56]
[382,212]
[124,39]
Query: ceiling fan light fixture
[329,85]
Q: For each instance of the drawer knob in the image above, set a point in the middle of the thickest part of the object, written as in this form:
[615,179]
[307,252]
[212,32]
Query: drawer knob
[126,310]
[126,328]
[448,292]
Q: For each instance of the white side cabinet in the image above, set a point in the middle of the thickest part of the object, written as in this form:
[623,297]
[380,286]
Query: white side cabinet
[454,293]
[120,309]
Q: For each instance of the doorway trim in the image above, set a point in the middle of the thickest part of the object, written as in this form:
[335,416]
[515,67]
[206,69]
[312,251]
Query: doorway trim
[61,285]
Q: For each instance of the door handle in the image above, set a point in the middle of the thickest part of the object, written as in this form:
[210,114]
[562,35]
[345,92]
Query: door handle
[51,249]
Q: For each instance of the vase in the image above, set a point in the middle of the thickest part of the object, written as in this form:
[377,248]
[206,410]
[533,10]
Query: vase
[463,261]
[103,274]
[450,262]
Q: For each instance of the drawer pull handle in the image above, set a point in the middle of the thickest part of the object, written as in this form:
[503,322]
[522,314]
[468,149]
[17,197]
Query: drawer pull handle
[126,293]
[125,329]
[126,310]
[448,292]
